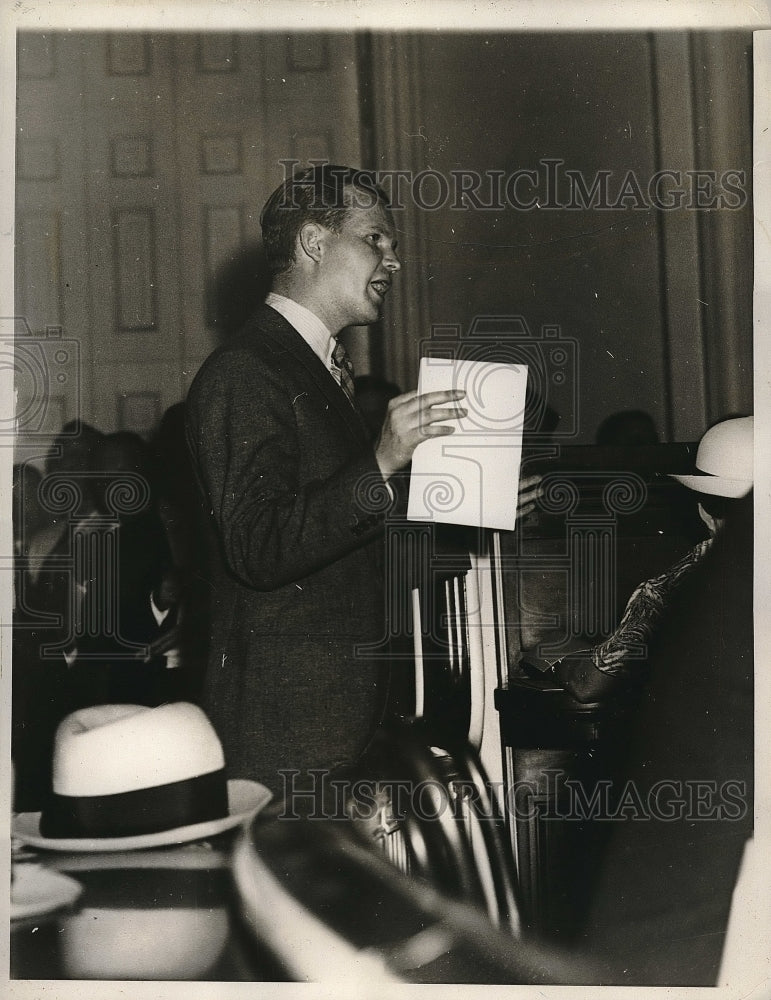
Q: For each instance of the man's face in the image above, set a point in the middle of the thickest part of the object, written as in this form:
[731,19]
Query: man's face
[358,264]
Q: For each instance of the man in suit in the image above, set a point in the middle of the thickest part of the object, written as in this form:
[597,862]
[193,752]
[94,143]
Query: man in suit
[298,492]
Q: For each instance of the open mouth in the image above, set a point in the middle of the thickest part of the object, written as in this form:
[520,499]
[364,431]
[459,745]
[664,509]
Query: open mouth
[381,287]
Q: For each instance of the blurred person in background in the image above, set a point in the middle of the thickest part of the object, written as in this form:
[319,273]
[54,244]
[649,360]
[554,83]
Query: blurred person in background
[44,603]
[722,478]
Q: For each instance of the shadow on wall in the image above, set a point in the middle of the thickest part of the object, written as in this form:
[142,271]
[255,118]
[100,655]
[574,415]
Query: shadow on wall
[239,286]
[627,428]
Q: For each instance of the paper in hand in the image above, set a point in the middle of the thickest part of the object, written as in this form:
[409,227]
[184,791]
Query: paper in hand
[471,477]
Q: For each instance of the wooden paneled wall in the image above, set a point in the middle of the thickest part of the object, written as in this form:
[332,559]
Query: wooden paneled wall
[143,162]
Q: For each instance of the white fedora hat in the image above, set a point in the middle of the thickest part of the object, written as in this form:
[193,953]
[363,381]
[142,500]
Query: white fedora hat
[724,460]
[128,776]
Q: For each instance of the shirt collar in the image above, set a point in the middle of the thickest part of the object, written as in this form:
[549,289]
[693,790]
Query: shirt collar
[315,333]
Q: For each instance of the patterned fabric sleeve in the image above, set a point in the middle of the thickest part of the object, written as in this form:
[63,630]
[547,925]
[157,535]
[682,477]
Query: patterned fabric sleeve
[623,653]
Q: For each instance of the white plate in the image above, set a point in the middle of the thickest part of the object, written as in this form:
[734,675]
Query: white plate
[245,799]
[36,890]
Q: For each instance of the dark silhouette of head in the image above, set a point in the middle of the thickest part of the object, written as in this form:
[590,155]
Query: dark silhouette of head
[74,448]
[240,285]
[627,429]
[122,454]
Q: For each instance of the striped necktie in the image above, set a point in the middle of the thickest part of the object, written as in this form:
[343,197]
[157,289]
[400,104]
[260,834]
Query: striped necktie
[344,367]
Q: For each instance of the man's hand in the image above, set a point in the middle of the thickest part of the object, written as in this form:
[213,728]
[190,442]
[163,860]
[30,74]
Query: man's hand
[411,419]
[168,591]
[529,492]
[158,647]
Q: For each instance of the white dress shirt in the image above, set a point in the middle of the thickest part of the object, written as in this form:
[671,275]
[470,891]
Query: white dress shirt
[315,333]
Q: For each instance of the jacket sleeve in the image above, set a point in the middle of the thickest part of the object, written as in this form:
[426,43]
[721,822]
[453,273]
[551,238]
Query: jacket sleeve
[275,526]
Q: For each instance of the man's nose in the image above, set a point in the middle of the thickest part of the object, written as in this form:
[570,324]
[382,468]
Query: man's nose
[391,261]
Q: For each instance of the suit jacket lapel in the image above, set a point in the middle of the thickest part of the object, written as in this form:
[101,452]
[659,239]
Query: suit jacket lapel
[287,339]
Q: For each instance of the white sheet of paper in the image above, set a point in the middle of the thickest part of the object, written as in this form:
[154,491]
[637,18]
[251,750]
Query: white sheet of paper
[472,476]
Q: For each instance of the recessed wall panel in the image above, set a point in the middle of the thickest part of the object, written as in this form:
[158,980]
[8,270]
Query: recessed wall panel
[217,53]
[128,54]
[38,253]
[134,267]
[38,159]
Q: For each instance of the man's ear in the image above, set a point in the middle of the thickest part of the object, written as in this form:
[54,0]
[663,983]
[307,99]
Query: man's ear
[310,239]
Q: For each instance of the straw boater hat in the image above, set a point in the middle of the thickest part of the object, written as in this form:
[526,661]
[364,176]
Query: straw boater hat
[724,465]
[127,776]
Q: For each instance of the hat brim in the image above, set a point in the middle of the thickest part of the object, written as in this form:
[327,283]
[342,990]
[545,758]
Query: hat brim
[245,799]
[36,891]
[716,486]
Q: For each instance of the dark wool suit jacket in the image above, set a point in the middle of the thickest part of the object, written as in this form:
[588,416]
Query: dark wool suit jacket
[298,501]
